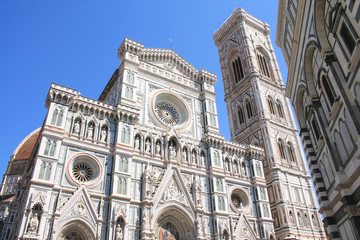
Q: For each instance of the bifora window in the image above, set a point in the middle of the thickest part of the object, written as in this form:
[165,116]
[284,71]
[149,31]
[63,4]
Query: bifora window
[237,69]
[263,64]
[347,37]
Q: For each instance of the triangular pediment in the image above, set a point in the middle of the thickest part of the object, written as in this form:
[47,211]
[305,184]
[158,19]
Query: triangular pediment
[173,189]
[243,229]
[79,206]
[170,61]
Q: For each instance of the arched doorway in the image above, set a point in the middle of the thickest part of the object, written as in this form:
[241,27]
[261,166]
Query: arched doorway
[173,224]
[75,231]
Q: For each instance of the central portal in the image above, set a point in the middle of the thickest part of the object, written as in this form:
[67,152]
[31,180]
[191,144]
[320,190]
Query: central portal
[168,232]
[173,224]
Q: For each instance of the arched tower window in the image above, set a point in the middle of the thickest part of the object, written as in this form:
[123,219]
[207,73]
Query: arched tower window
[237,70]
[281,148]
[327,89]
[279,108]
[249,109]
[271,105]
[291,152]
[241,115]
[263,64]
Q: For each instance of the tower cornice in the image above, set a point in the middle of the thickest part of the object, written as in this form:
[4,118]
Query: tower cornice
[239,15]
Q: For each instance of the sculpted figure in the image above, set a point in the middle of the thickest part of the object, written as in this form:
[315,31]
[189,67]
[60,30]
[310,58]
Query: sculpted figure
[157,149]
[172,151]
[34,223]
[118,233]
[103,135]
[147,146]
[77,127]
[184,156]
[90,131]
[137,143]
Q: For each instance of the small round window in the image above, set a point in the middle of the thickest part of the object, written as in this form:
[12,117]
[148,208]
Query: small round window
[239,200]
[82,172]
[84,169]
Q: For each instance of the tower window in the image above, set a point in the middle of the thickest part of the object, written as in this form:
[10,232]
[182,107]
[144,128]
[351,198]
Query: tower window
[238,70]
[348,38]
[241,115]
[263,64]
[329,94]
[271,105]
[291,152]
[279,109]
[281,148]
[249,109]
[315,128]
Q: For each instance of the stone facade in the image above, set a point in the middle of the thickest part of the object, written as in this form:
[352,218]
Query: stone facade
[146,160]
[320,43]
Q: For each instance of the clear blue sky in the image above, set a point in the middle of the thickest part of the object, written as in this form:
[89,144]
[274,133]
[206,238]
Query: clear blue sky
[74,43]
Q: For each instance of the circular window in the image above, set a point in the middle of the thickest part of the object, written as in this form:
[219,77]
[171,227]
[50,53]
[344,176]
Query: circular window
[167,113]
[169,109]
[84,169]
[239,200]
[236,200]
[82,172]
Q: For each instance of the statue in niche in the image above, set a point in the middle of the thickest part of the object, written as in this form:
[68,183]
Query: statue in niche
[202,160]
[77,127]
[172,151]
[147,146]
[184,155]
[258,169]
[118,232]
[33,223]
[193,157]
[137,143]
[103,135]
[157,149]
[244,169]
[90,131]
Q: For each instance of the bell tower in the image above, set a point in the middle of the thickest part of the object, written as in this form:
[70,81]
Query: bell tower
[260,114]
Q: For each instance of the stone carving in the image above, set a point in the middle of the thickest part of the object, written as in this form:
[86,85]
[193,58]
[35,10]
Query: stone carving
[118,233]
[202,160]
[158,149]
[147,146]
[173,192]
[193,157]
[184,155]
[33,223]
[172,151]
[103,135]
[77,127]
[148,183]
[90,131]
[137,143]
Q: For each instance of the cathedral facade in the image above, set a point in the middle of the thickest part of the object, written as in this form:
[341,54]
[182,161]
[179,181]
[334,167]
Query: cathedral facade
[146,160]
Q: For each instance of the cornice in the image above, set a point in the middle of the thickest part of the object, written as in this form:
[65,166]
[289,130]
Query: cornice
[70,97]
[139,54]
[239,15]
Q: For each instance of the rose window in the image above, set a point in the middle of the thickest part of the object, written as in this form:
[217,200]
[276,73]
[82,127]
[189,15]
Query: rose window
[167,113]
[82,172]
[236,200]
